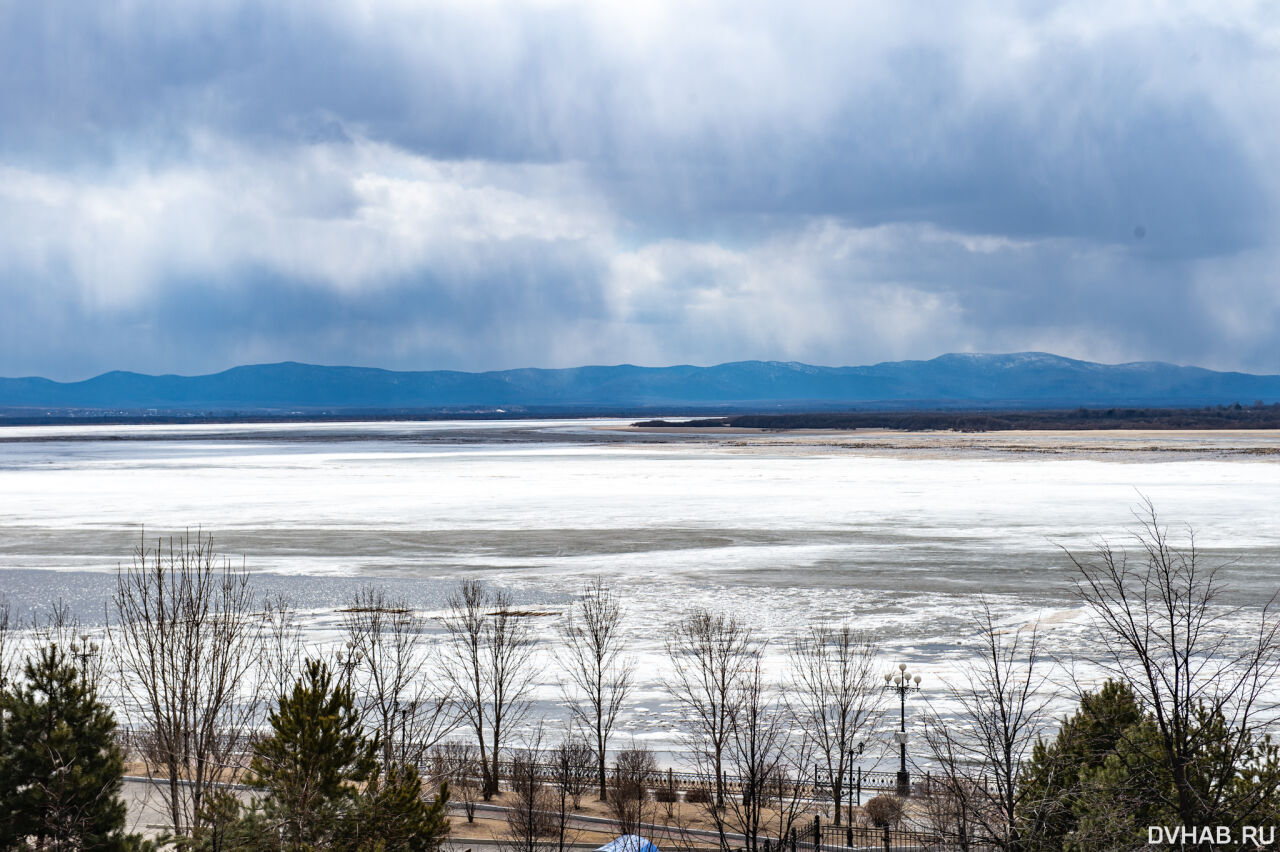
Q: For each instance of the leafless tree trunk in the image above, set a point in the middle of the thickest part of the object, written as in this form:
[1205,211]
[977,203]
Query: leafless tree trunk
[575,761]
[282,651]
[1000,713]
[8,642]
[489,665]
[836,697]
[572,766]
[667,796]
[400,698]
[710,655]
[766,753]
[457,764]
[600,676]
[949,804]
[1193,661]
[531,817]
[466,667]
[630,804]
[510,643]
[185,639]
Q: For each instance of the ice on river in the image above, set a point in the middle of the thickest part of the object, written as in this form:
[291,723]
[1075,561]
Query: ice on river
[902,538]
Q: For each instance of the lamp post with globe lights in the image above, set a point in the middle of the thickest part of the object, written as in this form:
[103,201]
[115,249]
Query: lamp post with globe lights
[902,683]
[348,657]
[84,653]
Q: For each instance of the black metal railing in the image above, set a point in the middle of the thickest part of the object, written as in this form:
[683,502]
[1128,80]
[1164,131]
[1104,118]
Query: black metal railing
[857,787]
[822,836]
[813,787]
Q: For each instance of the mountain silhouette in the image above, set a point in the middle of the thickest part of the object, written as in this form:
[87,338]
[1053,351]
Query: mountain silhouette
[957,380]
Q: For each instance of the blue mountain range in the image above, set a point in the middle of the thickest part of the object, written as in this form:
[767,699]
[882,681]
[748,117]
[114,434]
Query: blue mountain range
[1026,379]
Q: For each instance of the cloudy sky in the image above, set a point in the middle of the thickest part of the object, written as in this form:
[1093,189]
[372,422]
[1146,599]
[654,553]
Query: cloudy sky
[479,185]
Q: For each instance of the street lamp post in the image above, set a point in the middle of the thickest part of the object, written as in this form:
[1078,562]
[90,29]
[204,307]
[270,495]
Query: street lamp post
[84,652]
[902,683]
[854,754]
[348,657]
[406,711]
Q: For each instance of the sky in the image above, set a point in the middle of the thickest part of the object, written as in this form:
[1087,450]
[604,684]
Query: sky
[476,185]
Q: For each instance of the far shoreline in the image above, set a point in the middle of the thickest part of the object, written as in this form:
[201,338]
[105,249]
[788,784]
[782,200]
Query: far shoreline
[1236,417]
[725,420]
[1117,445]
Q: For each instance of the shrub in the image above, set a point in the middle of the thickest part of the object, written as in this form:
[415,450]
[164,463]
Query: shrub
[884,811]
[665,795]
[698,796]
[633,770]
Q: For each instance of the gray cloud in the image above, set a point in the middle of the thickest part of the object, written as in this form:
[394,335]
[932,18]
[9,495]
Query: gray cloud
[480,185]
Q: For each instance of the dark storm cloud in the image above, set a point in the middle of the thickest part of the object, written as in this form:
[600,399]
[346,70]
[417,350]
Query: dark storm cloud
[255,314]
[493,184]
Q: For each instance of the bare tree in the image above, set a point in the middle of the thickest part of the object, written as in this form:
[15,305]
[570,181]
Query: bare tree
[982,748]
[467,667]
[400,697]
[956,802]
[489,666]
[836,697]
[59,627]
[185,638]
[710,655]
[767,755]
[1202,668]
[630,805]
[665,794]
[572,770]
[457,765]
[531,818]
[575,761]
[281,656]
[600,675]
[8,642]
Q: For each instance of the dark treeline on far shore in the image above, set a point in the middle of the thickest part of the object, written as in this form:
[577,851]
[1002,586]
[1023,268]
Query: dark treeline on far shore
[1236,416]
[908,416]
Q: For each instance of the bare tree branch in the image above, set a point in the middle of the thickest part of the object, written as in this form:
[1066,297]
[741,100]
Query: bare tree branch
[488,661]
[600,676]
[185,639]
[710,656]
[836,697]
[400,696]
[982,748]
[1203,669]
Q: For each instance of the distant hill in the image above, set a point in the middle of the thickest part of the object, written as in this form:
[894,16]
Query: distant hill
[1027,379]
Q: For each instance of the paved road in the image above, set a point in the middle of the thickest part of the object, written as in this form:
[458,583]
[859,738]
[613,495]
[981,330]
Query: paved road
[147,813]
[147,816]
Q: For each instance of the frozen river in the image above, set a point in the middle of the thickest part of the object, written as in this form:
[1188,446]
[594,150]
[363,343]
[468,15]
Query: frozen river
[900,534]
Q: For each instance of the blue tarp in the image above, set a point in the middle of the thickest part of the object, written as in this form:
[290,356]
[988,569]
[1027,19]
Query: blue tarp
[628,843]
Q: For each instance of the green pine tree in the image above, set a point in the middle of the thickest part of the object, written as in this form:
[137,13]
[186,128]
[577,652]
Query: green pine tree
[322,787]
[1105,778]
[60,767]
[393,816]
[312,763]
[1053,777]
[1118,799]
[1234,772]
